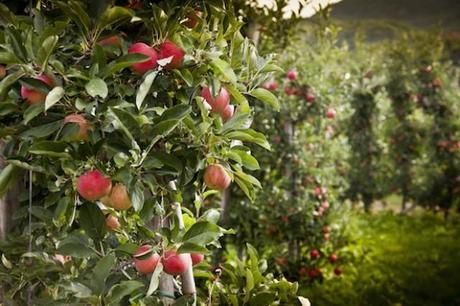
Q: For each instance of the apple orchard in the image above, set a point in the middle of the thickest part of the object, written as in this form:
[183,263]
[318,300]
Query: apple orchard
[219,153]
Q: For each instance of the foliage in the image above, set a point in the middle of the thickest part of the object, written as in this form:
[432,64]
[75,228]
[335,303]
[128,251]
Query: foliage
[394,259]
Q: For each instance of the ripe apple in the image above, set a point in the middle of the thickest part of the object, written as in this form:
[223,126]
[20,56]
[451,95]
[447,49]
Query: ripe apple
[151,63]
[175,264]
[93,185]
[196,258]
[338,271]
[218,104]
[228,112]
[118,198]
[325,205]
[145,259]
[303,271]
[330,113]
[289,90]
[292,74]
[168,49]
[82,123]
[314,254]
[333,258]
[134,4]
[216,177]
[112,222]
[310,98]
[113,40]
[314,272]
[33,96]
[2,72]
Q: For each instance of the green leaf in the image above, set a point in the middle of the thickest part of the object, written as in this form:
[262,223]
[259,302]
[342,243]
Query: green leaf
[249,284]
[76,245]
[137,196]
[17,43]
[53,97]
[6,16]
[192,248]
[266,97]
[244,187]
[7,57]
[262,298]
[46,50]
[92,220]
[8,177]
[114,15]
[124,62]
[33,111]
[145,87]
[223,68]
[236,122]
[164,127]
[121,126]
[50,148]
[123,289]
[202,233]
[79,290]
[97,87]
[26,166]
[240,98]
[177,112]
[248,178]
[36,84]
[247,159]
[155,279]
[42,130]
[8,81]
[100,273]
[250,135]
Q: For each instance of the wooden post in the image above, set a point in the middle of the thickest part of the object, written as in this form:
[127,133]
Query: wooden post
[188,282]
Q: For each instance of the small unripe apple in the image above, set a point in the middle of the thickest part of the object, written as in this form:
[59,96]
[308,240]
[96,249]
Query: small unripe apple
[113,40]
[330,113]
[196,258]
[216,177]
[118,198]
[219,103]
[33,96]
[112,222]
[93,185]
[333,258]
[145,259]
[314,254]
[150,63]
[82,123]
[175,264]
[2,72]
[168,49]
[228,112]
[310,98]
[291,75]
[338,271]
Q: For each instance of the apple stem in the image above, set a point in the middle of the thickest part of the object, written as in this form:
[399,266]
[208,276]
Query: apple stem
[188,282]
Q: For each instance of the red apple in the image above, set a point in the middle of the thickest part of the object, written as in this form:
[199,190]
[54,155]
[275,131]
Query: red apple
[303,271]
[289,90]
[314,272]
[168,49]
[228,112]
[175,264]
[196,258]
[134,4]
[314,254]
[118,198]
[216,177]
[330,113]
[310,98]
[325,205]
[151,63]
[33,96]
[270,85]
[145,259]
[333,258]
[218,104]
[82,123]
[93,185]
[338,271]
[2,72]
[292,74]
[112,222]
[113,40]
